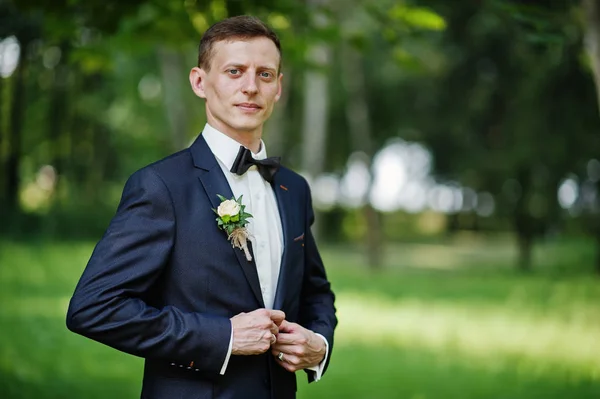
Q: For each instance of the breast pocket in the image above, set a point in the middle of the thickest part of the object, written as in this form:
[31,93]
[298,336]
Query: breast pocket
[296,246]
[299,239]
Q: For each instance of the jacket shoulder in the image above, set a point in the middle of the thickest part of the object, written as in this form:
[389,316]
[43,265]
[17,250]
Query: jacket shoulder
[168,167]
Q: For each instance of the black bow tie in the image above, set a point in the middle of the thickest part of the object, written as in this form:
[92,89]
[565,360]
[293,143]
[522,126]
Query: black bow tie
[266,167]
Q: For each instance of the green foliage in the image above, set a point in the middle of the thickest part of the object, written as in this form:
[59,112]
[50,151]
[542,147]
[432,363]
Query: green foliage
[500,91]
[417,17]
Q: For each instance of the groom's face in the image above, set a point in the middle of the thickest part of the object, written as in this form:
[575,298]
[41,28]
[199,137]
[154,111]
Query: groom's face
[242,84]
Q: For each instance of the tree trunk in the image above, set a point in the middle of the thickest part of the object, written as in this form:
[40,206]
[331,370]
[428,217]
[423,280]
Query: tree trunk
[172,67]
[57,111]
[316,106]
[17,110]
[2,161]
[597,262]
[523,222]
[357,114]
[592,44]
[525,251]
[453,224]
[375,248]
[99,135]
[276,126]
[592,39]
[76,164]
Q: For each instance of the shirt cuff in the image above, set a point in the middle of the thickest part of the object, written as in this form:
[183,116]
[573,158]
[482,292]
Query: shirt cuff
[226,362]
[318,369]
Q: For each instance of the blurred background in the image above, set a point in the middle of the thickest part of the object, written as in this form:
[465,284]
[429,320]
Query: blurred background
[453,150]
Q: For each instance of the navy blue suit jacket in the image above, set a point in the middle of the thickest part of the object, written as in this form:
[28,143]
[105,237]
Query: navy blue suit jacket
[164,281]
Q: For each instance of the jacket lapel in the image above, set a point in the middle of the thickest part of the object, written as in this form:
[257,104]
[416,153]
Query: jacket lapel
[214,182]
[284,203]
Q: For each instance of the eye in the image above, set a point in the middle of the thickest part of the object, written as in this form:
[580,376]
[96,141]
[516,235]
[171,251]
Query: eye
[233,71]
[266,75]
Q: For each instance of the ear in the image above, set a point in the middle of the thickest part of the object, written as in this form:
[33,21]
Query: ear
[197,79]
[279,83]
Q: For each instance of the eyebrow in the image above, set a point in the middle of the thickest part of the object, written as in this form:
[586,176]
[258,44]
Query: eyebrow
[240,66]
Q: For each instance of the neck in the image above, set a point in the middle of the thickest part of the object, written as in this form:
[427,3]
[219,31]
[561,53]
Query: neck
[248,138]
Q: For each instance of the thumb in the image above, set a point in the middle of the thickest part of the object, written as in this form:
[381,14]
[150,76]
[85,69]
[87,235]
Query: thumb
[277,316]
[287,327]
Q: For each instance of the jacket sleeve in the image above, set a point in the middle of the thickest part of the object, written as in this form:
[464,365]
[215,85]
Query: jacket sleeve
[317,310]
[109,305]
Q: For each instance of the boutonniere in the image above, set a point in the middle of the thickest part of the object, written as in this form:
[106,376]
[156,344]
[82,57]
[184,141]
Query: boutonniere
[233,220]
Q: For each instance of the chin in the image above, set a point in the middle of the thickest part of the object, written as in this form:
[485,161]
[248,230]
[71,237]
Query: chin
[247,125]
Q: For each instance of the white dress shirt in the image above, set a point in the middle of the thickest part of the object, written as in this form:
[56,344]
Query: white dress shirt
[266,233]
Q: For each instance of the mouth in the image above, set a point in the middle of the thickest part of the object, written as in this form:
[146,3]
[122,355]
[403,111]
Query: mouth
[249,107]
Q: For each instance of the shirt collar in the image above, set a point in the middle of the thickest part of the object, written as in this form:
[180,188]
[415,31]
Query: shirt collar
[225,148]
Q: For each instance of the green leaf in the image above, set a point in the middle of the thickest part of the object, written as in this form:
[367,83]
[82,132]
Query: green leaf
[418,17]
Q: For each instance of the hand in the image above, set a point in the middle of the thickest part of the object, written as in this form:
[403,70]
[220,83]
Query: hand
[253,332]
[301,348]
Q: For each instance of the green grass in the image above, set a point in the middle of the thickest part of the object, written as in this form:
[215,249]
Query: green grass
[440,320]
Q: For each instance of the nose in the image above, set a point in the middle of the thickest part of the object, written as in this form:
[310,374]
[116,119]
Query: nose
[250,87]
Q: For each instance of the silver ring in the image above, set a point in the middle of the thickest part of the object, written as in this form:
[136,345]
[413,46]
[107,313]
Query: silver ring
[280,356]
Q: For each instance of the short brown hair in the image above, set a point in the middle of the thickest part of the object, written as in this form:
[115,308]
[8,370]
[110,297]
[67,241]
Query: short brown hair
[239,27]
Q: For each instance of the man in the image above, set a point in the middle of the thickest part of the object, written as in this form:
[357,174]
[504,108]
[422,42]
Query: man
[164,282]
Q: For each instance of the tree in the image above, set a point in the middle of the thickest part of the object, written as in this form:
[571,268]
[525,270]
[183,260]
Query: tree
[511,110]
[591,10]
[592,37]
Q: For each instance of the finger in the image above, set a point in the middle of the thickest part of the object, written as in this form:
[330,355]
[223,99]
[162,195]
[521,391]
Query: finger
[274,329]
[286,349]
[261,312]
[273,339]
[267,336]
[277,316]
[286,364]
[291,359]
[276,348]
[287,326]
[289,338]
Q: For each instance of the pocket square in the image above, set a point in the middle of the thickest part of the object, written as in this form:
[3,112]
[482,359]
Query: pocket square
[299,238]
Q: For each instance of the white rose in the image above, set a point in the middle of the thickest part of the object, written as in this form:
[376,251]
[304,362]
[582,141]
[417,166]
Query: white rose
[228,208]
